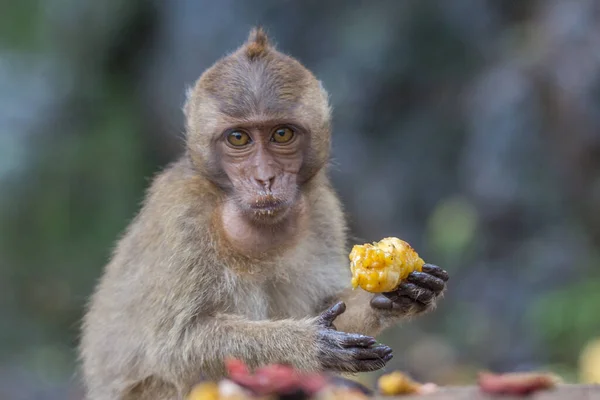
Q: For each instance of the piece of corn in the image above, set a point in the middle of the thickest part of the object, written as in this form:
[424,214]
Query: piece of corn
[204,391]
[381,266]
[397,383]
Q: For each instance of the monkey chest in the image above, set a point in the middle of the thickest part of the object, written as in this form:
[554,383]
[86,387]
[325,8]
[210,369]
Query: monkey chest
[290,301]
[302,297]
[272,301]
[299,295]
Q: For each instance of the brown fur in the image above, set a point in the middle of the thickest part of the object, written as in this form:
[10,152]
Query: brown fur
[258,43]
[178,296]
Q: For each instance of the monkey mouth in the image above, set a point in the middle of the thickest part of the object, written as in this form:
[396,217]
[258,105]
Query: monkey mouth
[267,203]
[268,206]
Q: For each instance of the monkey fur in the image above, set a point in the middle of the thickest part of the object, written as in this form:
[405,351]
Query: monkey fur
[240,251]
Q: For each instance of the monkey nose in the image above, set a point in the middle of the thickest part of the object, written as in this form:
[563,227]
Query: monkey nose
[265,183]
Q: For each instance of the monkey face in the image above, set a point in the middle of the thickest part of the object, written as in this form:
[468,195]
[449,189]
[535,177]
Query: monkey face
[262,162]
[258,126]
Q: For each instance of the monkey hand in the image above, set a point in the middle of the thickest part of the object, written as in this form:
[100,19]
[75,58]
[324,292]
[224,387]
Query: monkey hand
[416,295]
[348,352]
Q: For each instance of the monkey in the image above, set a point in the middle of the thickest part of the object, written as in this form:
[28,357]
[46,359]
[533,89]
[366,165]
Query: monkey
[239,247]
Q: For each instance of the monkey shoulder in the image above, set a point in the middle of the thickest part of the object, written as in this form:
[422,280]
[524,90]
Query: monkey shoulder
[166,252]
[179,186]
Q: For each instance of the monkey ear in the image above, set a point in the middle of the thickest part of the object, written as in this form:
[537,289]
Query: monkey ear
[258,43]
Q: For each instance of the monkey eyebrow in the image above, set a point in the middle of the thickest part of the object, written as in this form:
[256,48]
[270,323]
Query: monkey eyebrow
[267,123]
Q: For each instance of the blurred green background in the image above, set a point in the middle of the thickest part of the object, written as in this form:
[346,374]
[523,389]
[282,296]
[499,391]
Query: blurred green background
[470,128]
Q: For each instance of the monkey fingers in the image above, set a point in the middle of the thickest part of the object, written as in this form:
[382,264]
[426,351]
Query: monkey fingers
[435,271]
[328,316]
[412,291]
[397,304]
[416,294]
[378,352]
[338,353]
[382,302]
[355,340]
[427,281]
[346,340]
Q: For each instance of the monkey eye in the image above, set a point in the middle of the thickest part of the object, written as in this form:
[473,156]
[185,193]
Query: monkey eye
[282,135]
[238,138]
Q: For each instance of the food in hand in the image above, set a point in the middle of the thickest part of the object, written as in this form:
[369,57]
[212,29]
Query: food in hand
[381,266]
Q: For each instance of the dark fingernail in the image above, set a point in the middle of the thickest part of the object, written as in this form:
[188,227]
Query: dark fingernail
[339,307]
[388,357]
[334,311]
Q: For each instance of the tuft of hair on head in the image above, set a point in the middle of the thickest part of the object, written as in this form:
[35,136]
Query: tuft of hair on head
[258,43]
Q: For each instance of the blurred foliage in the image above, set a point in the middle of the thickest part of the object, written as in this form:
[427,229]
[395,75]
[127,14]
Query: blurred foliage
[452,228]
[567,318]
[475,121]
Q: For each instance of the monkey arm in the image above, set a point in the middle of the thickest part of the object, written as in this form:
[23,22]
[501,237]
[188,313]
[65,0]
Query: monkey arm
[201,348]
[308,344]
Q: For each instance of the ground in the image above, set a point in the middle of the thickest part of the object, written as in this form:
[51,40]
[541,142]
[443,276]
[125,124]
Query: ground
[567,392]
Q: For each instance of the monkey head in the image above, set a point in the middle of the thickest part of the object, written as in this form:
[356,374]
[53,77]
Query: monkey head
[258,126]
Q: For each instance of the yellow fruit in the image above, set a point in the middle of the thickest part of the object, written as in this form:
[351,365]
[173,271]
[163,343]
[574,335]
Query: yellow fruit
[589,363]
[381,266]
[204,391]
[397,383]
